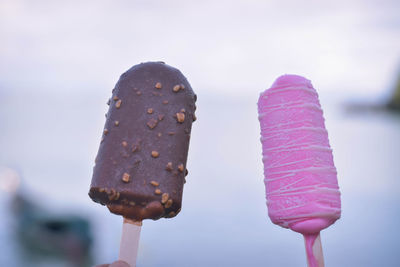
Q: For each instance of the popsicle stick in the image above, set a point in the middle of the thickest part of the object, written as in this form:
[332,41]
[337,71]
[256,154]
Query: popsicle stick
[129,241]
[315,257]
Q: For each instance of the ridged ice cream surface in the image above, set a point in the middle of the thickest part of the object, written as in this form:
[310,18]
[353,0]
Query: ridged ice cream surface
[300,177]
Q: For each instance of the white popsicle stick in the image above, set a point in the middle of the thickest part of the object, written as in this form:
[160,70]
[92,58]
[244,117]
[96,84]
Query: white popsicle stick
[315,257]
[129,245]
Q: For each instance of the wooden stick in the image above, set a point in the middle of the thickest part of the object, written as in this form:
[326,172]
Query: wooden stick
[315,257]
[129,241]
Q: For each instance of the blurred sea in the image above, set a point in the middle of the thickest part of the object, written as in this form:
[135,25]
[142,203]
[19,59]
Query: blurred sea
[51,139]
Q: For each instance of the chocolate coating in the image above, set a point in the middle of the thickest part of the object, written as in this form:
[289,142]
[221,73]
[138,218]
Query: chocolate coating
[141,164]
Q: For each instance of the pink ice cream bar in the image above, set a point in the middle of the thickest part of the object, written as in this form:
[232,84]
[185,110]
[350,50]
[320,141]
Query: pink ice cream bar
[300,177]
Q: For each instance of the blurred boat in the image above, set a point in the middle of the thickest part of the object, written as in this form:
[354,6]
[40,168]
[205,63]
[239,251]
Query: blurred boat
[47,234]
[43,234]
[394,102]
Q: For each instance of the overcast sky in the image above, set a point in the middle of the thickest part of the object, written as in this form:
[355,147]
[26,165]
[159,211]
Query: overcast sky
[235,47]
[225,48]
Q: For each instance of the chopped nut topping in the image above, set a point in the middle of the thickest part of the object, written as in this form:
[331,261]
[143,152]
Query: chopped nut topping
[165,102]
[126,177]
[169,166]
[171,214]
[158,85]
[116,123]
[180,117]
[159,134]
[154,183]
[135,147]
[157,191]
[115,98]
[150,111]
[176,88]
[164,198]
[154,154]
[152,123]
[161,117]
[118,104]
[105,131]
[180,167]
[168,204]
[132,203]
[113,195]
[171,133]
[183,110]
[138,93]
[124,143]
[101,190]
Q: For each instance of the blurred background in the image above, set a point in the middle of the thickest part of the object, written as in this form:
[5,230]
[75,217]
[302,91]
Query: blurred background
[59,61]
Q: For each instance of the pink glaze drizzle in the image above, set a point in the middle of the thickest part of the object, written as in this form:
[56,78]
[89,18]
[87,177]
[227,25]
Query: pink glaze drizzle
[300,177]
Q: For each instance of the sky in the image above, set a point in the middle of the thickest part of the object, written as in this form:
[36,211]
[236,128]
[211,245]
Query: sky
[222,47]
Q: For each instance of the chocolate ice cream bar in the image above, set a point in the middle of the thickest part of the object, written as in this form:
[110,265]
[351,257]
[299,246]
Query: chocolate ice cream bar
[141,164]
